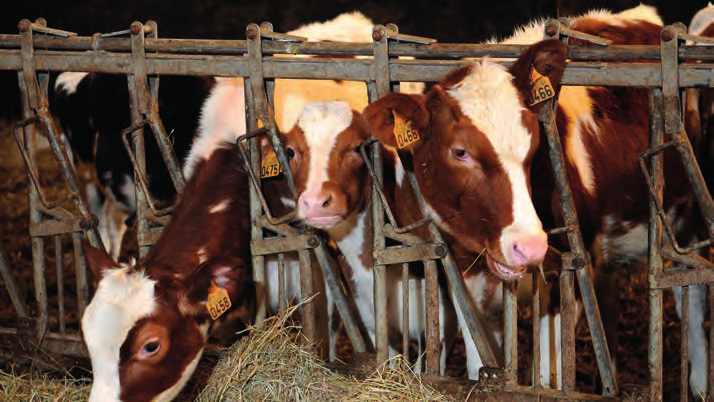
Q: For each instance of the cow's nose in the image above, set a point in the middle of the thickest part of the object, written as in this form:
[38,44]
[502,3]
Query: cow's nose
[529,249]
[317,205]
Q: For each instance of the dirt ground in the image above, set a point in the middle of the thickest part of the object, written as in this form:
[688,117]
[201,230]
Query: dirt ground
[15,242]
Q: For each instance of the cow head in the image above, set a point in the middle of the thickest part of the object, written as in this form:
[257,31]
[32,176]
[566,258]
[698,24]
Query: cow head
[471,140]
[146,327]
[330,175]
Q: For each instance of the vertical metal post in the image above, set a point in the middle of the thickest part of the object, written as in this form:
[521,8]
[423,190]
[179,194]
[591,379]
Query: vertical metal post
[307,289]
[80,272]
[433,346]
[510,331]
[684,347]
[405,312]
[381,87]
[60,282]
[536,331]
[655,249]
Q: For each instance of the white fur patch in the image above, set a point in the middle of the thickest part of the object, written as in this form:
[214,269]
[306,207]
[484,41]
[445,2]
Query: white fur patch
[121,299]
[487,96]
[221,206]
[69,81]
[171,393]
[322,123]
[702,19]
[577,105]
[222,120]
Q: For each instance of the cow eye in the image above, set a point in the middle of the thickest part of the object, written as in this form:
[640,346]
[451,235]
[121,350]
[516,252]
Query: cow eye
[290,152]
[460,154]
[150,348]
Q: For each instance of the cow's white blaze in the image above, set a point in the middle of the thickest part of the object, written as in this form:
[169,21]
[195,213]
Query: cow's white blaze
[121,299]
[322,123]
[68,81]
[487,96]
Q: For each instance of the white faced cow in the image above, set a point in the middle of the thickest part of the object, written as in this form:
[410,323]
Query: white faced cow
[482,166]
[148,322]
[223,119]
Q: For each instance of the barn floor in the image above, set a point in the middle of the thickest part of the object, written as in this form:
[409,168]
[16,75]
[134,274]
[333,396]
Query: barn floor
[15,241]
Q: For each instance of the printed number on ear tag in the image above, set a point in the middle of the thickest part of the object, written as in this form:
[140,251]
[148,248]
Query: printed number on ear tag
[269,166]
[403,131]
[541,89]
[218,301]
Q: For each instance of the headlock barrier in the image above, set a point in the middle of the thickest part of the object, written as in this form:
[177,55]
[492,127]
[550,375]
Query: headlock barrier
[667,70]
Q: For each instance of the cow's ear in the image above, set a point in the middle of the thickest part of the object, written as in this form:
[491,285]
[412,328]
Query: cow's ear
[538,71]
[398,120]
[98,260]
[225,276]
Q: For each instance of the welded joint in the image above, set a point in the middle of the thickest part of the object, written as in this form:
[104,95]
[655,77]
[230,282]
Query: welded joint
[574,261]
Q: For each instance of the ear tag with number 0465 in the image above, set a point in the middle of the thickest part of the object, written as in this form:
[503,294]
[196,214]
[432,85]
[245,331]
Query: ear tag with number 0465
[541,88]
[218,301]
[403,131]
[269,166]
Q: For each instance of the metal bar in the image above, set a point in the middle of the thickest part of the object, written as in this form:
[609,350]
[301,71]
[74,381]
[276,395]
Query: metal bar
[510,331]
[339,296]
[536,331]
[405,313]
[275,245]
[656,128]
[433,344]
[282,304]
[402,254]
[307,288]
[17,300]
[684,347]
[60,282]
[584,275]
[256,212]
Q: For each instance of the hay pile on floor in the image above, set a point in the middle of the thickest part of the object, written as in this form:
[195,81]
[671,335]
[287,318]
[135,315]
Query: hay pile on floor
[270,365]
[32,388]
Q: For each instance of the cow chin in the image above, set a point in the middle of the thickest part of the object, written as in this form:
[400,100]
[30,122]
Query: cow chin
[505,272]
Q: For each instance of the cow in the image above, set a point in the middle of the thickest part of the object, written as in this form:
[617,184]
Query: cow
[148,322]
[92,110]
[334,195]
[223,119]
[482,165]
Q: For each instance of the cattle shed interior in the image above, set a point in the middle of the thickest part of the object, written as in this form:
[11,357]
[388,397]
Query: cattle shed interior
[45,212]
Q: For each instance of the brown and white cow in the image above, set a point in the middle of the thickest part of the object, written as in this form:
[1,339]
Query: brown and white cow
[148,322]
[481,162]
[223,119]
[334,194]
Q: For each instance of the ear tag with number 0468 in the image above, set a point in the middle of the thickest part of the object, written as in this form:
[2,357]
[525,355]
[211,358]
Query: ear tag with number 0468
[403,131]
[269,166]
[218,301]
[541,88]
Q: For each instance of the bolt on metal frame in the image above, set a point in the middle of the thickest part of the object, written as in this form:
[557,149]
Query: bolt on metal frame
[251,59]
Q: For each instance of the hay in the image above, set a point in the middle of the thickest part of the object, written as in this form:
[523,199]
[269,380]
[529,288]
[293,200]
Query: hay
[41,388]
[270,365]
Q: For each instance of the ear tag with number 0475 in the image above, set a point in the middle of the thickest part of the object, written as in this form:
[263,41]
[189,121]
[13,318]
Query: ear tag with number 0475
[269,166]
[541,88]
[218,301]
[403,131]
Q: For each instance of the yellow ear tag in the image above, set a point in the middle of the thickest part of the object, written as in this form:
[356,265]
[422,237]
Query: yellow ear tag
[541,88]
[269,166]
[218,301]
[403,131]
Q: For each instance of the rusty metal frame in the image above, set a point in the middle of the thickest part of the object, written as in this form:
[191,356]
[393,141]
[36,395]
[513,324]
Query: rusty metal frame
[138,57]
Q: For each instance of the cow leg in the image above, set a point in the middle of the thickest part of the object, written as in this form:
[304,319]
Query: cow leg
[698,360]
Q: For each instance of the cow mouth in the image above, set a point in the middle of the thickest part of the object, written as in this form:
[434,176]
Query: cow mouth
[323,222]
[505,272]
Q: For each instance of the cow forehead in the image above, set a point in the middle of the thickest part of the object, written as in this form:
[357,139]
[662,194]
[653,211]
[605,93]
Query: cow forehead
[322,123]
[122,298]
[487,97]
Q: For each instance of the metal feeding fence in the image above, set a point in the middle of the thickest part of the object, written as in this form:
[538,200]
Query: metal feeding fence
[143,57]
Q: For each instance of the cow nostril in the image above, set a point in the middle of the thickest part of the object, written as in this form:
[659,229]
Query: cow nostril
[327,202]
